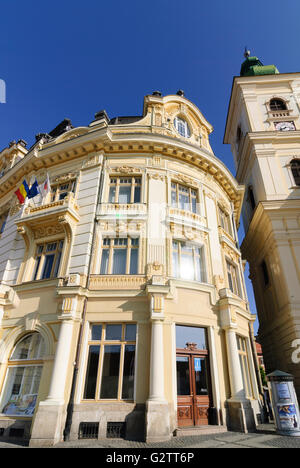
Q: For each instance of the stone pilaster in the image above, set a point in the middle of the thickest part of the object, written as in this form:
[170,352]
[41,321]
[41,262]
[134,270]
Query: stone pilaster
[157,407]
[240,412]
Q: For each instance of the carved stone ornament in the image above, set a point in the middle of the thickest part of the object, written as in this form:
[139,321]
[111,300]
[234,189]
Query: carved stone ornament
[126,170]
[15,208]
[219,282]
[46,231]
[93,160]
[31,321]
[184,179]
[230,253]
[233,316]
[155,269]
[156,176]
[65,178]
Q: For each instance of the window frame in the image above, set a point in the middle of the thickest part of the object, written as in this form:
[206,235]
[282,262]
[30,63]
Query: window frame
[108,244]
[245,365]
[186,133]
[60,190]
[235,278]
[102,342]
[40,264]
[192,193]
[225,221]
[201,257]
[282,107]
[115,181]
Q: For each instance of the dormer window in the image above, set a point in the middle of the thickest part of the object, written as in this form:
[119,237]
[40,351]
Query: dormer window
[277,104]
[182,127]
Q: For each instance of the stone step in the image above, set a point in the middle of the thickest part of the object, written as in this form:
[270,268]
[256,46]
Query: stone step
[199,430]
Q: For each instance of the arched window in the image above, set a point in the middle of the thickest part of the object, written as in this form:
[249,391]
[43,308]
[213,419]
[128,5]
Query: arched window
[277,104]
[23,376]
[182,127]
[295,168]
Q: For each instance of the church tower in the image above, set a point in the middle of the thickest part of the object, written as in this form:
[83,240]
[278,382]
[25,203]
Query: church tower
[263,129]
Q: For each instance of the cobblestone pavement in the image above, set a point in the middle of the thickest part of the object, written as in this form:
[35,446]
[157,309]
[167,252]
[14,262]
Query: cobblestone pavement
[265,437]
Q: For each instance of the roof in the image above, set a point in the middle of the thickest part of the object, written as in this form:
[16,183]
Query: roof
[252,66]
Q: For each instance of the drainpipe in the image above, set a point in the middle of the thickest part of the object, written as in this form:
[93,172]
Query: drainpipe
[70,407]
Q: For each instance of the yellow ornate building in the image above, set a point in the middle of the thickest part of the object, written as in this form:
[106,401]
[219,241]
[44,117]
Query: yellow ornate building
[123,308]
[263,128]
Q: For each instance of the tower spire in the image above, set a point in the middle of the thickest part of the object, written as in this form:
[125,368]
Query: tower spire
[246,52]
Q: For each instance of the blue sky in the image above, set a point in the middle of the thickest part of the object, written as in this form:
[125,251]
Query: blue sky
[70,59]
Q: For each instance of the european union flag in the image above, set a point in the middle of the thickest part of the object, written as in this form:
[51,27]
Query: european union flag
[34,190]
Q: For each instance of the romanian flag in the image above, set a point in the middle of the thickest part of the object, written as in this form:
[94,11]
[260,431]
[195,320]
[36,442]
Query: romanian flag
[22,192]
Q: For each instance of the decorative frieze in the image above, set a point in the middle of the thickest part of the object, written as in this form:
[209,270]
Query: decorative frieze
[116,282]
[126,170]
[46,231]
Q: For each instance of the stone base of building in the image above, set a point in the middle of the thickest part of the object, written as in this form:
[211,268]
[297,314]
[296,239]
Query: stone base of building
[48,425]
[129,417]
[157,421]
[15,428]
[240,416]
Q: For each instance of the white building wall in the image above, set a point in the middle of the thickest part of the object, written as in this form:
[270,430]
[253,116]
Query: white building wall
[87,201]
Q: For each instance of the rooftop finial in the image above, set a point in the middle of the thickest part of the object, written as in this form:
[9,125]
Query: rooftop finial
[246,53]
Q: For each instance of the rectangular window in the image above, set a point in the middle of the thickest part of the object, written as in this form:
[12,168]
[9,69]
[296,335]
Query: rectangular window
[233,281]
[124,190]
[119,256]
[91,372]
[111,362]
[244,362]
[61,191]
[225,222]
[188,262]
[47,260]
[110,372]
[183,197]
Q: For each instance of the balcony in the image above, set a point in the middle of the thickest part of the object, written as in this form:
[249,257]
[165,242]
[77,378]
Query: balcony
[48,209]
[117,210]
[186,218]
[278,114]
[49,219]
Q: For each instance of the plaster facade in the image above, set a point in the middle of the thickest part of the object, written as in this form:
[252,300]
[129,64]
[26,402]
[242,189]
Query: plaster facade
[141,227]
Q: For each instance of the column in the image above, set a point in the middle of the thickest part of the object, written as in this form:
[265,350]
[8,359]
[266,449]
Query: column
[235,372]
[61,363]
[53,409]
[156,391]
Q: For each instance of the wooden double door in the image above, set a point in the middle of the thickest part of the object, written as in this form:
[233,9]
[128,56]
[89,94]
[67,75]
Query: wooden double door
[193,389]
